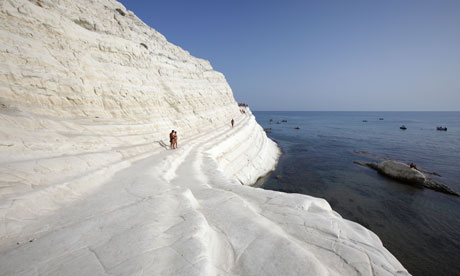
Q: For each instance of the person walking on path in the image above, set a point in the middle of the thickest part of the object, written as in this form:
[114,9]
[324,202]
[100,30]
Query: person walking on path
[233,122]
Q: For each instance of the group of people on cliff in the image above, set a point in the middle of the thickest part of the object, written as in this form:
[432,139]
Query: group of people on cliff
[173,139]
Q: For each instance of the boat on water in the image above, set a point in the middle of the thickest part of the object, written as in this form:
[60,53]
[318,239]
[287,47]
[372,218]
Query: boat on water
[365,121]
[403,127]
[297,127]
[381,119]
[283,121]
[441,128]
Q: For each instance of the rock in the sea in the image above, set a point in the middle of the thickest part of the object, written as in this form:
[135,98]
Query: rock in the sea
[401,171]
[404,173]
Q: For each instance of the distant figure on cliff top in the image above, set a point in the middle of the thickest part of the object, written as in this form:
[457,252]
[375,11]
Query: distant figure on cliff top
[233,122]
[171,139]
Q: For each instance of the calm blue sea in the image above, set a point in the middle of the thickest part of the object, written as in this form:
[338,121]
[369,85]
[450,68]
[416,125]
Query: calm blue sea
[420,227]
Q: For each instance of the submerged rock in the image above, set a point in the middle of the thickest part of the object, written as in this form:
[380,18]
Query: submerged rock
[406,174]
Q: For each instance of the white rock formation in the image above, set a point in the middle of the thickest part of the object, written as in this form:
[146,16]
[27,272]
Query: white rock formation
[88,95]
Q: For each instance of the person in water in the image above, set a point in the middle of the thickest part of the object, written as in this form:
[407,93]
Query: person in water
[171,139]
[233,122]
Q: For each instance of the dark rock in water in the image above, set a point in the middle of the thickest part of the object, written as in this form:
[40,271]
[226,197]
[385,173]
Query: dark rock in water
[371,165]
[434,185]
[362,163]
[368,155]
[406,174]
[400,171]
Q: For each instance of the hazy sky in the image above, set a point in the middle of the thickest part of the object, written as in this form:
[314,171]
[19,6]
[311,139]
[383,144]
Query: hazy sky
[322,55]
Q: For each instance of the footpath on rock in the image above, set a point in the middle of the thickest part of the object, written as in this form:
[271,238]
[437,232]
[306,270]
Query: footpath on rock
[175,213]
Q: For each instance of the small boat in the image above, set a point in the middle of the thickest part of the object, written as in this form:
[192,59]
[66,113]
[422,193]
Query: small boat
[297,127]
[278,123]
[365,121]
[283,121]
[441,128]
[403,127]
[381,119]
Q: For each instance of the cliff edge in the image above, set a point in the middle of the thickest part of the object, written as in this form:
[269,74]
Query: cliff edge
[88,95]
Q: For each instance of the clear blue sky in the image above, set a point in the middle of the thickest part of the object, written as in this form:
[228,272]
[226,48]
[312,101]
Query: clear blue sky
[322,55]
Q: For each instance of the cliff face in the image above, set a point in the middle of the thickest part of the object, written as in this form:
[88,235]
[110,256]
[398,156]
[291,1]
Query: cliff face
[88,96]
[86,79]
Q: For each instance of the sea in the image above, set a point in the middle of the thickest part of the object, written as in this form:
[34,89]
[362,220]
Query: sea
[420,227]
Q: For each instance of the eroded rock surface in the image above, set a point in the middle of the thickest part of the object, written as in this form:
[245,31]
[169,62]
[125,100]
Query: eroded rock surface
[88,95]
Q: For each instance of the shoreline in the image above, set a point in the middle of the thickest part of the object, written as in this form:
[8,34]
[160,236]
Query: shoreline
[210,215]
[319,162]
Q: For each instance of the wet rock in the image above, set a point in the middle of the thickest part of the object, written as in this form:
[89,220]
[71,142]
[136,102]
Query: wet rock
[406,174]
[400,171]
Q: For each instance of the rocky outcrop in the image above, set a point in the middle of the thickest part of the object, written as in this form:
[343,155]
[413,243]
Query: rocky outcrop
[88,84]
[404,173]
[88,185]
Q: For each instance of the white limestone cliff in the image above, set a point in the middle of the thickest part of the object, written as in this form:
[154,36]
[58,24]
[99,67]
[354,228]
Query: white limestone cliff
[88,96]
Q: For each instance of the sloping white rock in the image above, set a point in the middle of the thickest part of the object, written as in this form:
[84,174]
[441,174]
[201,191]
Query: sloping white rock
[88,95]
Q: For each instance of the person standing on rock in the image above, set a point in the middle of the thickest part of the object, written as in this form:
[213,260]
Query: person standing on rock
[233,122]
[175,140]
[171,139]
